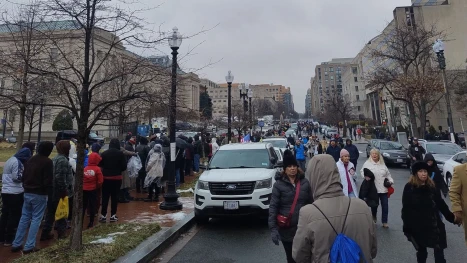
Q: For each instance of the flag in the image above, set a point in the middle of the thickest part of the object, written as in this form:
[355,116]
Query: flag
[246,138]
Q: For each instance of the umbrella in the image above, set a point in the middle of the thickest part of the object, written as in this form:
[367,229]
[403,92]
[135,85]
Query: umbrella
[180,143]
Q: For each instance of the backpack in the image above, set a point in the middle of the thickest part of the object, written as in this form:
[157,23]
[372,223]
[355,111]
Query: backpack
[344,249]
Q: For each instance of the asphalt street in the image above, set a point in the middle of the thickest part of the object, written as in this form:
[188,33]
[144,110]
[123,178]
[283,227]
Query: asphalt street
[248,240]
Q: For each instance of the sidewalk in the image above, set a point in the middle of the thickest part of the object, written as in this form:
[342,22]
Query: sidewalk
[135,211]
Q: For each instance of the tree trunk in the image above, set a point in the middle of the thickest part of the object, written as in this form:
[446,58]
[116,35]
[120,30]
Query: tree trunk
[22,123]
[422,115]
[31,122]
[413,120]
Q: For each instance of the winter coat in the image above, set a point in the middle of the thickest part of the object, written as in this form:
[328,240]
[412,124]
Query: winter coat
[369,193]
[436,175]
[13,172]
[155,166]
[315,236]
[335,152]
[198,147]
[458,194]
[143,152]
[290,140]
[92,177]
[62,174]
[381,172]
[324,145]
[416,151]
[353,151]
[283,194]
[38,173]
[352,175]
[420,215]
[300,152]
[113,162]
[215,146]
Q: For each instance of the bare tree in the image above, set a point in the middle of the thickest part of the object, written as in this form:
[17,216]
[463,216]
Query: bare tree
[405,71]
[338,109]
[32,118]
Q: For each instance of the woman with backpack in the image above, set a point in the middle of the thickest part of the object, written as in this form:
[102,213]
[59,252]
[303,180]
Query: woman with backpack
[290,192]
[381,172]
[421,208]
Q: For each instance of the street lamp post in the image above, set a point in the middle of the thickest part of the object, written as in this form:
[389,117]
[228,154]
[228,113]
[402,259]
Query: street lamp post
[243,95]
[439,48]
[229,78]
[39,131]
[250,96]
[171,197]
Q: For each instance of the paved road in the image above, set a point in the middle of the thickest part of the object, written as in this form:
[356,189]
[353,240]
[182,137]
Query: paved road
[249,240]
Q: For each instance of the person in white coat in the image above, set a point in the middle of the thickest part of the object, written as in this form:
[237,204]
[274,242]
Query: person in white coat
[348,174]
[377,166]
[215,146]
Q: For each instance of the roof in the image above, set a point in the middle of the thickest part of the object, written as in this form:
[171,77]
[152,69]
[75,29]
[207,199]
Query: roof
[243,146]
[42,26]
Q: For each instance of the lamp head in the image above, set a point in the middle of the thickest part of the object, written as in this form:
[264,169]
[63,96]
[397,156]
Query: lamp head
[175,40]
[229,78]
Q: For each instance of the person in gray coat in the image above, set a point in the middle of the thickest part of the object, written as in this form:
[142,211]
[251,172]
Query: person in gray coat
[283,194]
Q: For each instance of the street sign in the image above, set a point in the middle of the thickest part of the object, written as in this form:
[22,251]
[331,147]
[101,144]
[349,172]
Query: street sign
[261,124]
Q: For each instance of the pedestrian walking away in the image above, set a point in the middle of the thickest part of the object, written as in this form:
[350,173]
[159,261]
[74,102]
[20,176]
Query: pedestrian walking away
[348,174]
[290,193]
[315,235]
[37,184]
[12,195]
[421,207]
[381,172]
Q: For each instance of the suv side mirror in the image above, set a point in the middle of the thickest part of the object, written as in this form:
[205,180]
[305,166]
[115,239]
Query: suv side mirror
[278,164]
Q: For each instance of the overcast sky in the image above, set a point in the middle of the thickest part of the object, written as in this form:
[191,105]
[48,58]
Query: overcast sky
[270,41]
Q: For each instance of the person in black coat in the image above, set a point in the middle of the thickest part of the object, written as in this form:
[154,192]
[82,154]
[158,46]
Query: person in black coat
[368,191]
[283,195]
[435,174]
[334,150]
[421,207]
[353,151]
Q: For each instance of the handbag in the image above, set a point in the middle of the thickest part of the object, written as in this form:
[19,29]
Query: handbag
[284,221]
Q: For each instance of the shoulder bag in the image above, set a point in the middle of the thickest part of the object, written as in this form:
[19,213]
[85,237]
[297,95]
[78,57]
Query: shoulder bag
[284,221]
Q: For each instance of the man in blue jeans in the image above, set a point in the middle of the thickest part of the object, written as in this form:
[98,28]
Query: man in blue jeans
[198,148]
[37,182]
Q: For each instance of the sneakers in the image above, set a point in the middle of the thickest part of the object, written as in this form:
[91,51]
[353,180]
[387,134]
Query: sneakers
[102,219]
[114,218]
[16,249]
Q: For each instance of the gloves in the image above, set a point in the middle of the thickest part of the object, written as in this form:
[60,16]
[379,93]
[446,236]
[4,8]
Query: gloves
[63,194]
[275,237]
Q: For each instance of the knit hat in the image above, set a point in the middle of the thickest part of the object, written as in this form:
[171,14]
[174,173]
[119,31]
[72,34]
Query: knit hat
[288,159]
[344,152]
[132,141]
[95,147]
[419,166]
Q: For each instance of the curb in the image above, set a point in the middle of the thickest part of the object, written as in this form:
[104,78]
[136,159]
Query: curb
[155,244]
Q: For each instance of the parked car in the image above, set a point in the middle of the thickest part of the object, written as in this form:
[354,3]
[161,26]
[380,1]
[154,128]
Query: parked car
[11,139]
[277,142]
[392,152]
[441,150]
[330,133]
[238,181]
[291,132]
[448,168]
[72,134]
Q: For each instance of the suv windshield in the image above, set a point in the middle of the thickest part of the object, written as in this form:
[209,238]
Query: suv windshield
[277,143]
[255,158]
[443,148]
[391,146]
[92,135]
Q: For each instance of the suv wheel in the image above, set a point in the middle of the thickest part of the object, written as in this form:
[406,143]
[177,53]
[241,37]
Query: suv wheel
[200,218]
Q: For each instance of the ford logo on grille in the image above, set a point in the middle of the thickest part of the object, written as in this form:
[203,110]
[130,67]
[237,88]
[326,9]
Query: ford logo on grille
[231,187]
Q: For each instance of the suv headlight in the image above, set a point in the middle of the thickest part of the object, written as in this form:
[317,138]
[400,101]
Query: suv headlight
[264,184]
[203,185]
[386,155]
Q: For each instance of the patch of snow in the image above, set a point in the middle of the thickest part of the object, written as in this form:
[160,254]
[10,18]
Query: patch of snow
[190,190]
[137,228]
[116,233]
[177,216]
[107,240]
[188,203]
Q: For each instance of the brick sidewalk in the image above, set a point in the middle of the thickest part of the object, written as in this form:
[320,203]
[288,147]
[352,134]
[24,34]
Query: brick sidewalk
[135,211]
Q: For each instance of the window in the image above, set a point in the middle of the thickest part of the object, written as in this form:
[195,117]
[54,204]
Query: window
[358,108]
[354,70]
[325,69]
[332,77]
[358,97]
[331,69]
[356,88]
[355,79]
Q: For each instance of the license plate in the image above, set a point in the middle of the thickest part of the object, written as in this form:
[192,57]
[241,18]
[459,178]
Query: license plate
[230,205]
[400,160]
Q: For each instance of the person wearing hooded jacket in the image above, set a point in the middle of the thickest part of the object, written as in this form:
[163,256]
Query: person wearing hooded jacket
[62,173]
[421,207]
[315,237]
[113,164]
[143,151]
[435,174]
[283,194]
[37,183]
[353,151]
[215,146]
[348,174]
[154,173]
[92,181]
[12,195]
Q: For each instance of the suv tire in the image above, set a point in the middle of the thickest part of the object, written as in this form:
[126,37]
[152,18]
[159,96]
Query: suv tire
[200,218]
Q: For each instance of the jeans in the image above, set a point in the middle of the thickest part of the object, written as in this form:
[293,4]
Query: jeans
[196,162]
[60,225]
[33,211]
[288,251]
[177,177]
[385,206]
[89,202]
[188,167]
[110,189]
[422,254]
[11,214]
[302,164]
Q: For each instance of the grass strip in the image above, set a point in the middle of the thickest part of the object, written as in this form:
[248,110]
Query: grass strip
[121,239]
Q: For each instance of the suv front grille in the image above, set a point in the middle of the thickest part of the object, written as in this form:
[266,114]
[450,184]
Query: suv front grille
[234,188]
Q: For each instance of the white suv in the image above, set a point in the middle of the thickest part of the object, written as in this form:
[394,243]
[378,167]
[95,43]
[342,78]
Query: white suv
[238,181]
